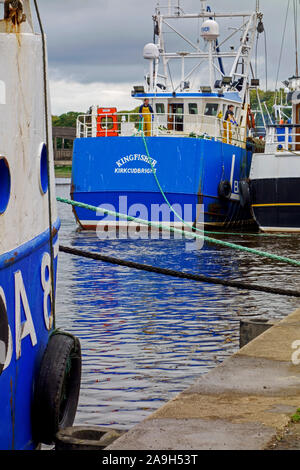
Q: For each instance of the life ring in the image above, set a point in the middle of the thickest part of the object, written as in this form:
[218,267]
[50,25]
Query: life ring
[245,193]
[250,119]
[224,190]
[57,387]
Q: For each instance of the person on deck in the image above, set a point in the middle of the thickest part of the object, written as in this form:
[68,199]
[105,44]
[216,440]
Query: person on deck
[227,124]
[146,113]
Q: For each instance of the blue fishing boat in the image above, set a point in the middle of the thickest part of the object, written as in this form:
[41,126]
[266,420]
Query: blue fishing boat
[39,366]
[181,158]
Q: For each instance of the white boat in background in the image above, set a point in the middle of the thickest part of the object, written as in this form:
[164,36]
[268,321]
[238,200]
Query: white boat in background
[275,174]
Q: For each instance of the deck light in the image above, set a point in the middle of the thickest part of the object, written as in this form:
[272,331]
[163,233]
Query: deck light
[255,82]
[205,89]
[226,80]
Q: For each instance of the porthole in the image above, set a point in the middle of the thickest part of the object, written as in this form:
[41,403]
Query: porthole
[43,168]
[4,184]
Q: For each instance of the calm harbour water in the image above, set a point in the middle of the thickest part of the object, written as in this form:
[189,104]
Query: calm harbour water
[144,336]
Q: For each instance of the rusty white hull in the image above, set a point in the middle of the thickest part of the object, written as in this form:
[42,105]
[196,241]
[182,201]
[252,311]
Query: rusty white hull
[25,311]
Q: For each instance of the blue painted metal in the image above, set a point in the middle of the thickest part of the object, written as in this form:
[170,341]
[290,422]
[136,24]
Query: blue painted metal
[232,96]
[17,379]
[5,185]
[43,169]
[188,169]
[280,131]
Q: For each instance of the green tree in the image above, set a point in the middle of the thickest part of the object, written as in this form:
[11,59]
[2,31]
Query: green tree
[270,98]
[66,119]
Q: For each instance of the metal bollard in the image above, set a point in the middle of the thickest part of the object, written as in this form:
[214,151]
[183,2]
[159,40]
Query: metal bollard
[253,327]
[86,438]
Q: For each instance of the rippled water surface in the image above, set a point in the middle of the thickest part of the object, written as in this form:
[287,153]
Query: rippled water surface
[144,336]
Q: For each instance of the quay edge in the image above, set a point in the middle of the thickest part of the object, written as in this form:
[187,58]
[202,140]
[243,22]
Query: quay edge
[242,404]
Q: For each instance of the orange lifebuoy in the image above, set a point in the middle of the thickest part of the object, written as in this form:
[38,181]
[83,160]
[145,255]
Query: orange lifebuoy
[250,119]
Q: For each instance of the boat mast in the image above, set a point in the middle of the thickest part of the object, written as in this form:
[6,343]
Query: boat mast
[296,36]
[241,56]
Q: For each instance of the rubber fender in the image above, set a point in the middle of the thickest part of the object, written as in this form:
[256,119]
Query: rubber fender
[245,194]
[56,390]
[224,190]
[86,438]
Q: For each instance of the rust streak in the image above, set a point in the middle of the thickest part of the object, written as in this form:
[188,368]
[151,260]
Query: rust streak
[12,410]
[12,259]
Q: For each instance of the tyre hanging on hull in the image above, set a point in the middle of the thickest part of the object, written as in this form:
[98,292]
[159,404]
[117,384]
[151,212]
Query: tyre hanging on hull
[224,190]
[245,193]
[57,387]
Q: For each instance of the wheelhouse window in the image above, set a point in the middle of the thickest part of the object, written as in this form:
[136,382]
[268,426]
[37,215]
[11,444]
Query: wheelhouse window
[193,108]
[211,109]
[160,108]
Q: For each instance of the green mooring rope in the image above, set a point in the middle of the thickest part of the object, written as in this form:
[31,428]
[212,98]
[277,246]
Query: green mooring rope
[177,215]
[214,241]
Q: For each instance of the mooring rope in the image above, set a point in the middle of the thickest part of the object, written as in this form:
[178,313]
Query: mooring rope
[178,274]
[191,226]
[173,210]
[48,146]
[160,226]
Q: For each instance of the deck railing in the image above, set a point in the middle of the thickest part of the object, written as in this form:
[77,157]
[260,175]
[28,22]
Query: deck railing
[185,125]
[283,137]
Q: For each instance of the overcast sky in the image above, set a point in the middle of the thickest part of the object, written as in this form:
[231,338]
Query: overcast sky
[95,46]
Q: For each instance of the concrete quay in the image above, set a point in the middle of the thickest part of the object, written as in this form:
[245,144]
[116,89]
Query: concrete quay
[244,403]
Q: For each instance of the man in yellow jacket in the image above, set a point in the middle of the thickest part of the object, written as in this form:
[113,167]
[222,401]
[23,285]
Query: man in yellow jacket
[228,122]
[146,113]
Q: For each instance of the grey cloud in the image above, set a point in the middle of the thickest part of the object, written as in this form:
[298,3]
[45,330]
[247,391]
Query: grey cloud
[103,40]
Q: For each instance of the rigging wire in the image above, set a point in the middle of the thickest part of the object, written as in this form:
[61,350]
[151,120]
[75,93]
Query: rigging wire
[282,44]
[256,48]
[266,59]
[48,146]
[296,35]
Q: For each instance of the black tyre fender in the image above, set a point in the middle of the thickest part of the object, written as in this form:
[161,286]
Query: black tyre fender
[245,193]
[56,390]
[224,190]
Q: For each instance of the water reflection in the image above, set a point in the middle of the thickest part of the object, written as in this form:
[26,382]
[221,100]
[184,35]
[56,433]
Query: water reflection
[145,336]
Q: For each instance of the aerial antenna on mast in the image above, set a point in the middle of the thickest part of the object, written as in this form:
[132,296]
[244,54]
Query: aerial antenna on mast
[203,6]
[257,6]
